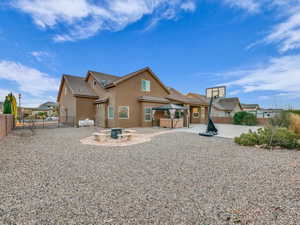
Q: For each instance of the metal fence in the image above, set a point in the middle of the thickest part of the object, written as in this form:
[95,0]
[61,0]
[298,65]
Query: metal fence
[40,123]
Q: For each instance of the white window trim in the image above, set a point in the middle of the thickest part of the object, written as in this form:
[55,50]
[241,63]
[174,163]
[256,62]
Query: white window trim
[108,116]
[119,112]
[148,81]
[147,113]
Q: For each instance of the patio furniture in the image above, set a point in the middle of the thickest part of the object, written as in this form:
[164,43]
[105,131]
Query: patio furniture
[107,131]
[125,136]
[129,131]
[101,137]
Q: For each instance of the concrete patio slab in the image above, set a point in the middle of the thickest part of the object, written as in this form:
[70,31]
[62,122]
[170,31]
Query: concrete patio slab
[225,130]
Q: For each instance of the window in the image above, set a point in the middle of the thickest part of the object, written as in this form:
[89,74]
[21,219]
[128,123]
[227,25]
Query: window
[111,112]
[123,112]
[66,90]
[227,114]
[146,85]
[196,113]
[178,115]
[147,114]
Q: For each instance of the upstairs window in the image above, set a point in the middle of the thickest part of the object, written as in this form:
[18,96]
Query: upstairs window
[66,90]
[146,85]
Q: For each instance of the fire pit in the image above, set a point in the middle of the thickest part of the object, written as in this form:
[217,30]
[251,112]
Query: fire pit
[115,133]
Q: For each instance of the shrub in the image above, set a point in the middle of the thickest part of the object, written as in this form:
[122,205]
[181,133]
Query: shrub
[270,137]
[294,111]
[294,125]
[280,120]
[244,118]
[249,139]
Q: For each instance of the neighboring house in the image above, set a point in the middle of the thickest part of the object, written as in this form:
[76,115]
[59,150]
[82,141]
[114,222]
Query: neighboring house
[226,107]
[49,108]
[222,107]
[250,107]
[266,113]
[113,101]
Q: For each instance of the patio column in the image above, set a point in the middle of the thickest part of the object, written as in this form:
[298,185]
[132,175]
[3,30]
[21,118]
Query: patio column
[172,114]
[152,115]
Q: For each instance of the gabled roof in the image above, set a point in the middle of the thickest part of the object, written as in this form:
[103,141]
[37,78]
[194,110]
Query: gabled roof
[201,98]
[103,79]
[48,105]
[130,75]
[228,103]
[78,87]
[177,96]
[250,106]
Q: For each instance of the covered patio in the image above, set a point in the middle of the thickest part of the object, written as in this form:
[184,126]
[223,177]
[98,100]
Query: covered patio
[175,116]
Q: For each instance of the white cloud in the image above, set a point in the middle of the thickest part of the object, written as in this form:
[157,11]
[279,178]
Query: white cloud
[249,5]
[39,55]
[281,75]
[188,6]
[28,80]
[84,18]
[287,33]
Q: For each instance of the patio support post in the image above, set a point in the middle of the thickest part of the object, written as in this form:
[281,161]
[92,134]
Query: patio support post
[152,115]
[172,114]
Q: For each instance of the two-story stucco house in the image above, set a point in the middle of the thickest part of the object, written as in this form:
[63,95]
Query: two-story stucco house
[121,101]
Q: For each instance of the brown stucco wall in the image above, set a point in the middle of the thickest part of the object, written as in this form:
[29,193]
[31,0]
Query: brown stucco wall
[68,102]
[203,114]
[6,125]
[157,115]
[126,94]
[104,93]
[85,109]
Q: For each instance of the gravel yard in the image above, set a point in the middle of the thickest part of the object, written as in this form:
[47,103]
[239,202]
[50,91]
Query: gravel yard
[177,178]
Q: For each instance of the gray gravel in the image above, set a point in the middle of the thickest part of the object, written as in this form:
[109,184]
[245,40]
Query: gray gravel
[177,178]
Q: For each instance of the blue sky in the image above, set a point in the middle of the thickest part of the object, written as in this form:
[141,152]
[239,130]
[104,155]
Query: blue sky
[252,46]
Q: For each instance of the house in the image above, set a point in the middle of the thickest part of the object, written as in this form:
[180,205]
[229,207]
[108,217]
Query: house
[47,108]
[121,101]
[250,107]
[266,113]
[222,107]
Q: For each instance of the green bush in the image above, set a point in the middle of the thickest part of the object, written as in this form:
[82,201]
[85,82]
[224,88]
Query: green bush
[244,118]
[249,139]
[269,137]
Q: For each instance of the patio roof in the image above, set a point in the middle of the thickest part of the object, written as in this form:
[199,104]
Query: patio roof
[170,106]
